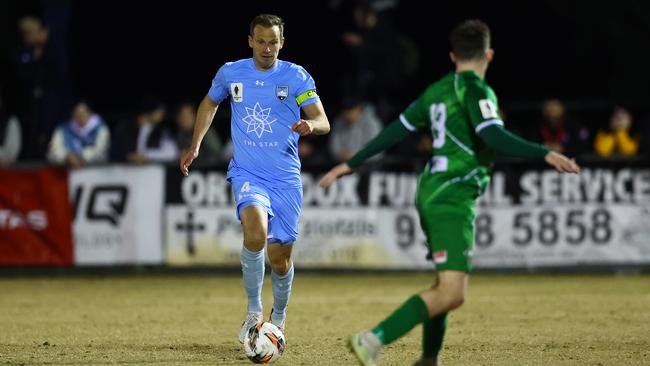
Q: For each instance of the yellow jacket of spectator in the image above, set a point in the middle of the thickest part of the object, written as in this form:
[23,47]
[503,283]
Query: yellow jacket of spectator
[619,142]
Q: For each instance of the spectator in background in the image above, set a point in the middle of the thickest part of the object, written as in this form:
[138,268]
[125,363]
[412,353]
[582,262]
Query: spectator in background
[559,133]
[312,150]
[357,124]
[83,140]
[145,139]
[382,59]
[211,146]
[644,130]
[42,87]
[10,136]
[616,139]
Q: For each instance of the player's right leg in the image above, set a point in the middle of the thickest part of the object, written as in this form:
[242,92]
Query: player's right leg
[450,236]
[253,210]
[254,223]
[429,307]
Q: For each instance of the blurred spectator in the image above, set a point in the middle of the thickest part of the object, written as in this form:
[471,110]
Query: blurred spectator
[211,144]
[382,58]
[145,139]
[416,149]
[644,143]
[312,150]
[306,148]
[226,153]
[42,84]
[560,133]
[616,139]
[10,136]
[85,139]
[357,124]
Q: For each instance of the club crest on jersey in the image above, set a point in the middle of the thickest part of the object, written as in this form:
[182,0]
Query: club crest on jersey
[237,92]
[440,256]
[282,91]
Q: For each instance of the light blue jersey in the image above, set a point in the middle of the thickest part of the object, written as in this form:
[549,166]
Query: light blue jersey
[264,104]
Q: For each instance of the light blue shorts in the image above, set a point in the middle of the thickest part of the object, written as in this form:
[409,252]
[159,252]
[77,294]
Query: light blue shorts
[283,205]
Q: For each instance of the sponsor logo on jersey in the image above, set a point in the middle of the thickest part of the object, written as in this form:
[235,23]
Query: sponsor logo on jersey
[282,91]
[258,120]
[488,109]
[237,92]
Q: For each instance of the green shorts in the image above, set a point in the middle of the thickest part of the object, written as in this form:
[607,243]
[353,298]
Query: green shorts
[447,219]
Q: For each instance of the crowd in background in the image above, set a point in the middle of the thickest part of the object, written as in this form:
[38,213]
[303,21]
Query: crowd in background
[47,124]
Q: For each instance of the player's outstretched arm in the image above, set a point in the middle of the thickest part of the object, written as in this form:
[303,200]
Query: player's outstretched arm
[389,136]
[317,122]
[334,174]
[204,116]
[507,143]
[561,163]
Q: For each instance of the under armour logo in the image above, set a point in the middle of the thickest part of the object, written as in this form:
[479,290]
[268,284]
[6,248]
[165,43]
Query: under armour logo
[259,83]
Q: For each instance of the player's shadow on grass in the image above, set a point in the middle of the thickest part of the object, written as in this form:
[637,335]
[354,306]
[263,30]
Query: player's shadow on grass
[172,354]
[194,348]
[221,353]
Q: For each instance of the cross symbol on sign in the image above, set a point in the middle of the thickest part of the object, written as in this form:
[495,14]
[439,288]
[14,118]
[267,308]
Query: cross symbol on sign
[190,227]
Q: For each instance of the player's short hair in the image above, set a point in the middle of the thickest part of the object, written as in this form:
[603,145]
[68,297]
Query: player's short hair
[470,40]
[267,21]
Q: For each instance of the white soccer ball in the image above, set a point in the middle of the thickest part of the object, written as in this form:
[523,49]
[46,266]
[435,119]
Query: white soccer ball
[264,343]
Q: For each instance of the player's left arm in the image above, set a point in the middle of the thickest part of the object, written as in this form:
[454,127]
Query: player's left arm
[316,122]
[482,108]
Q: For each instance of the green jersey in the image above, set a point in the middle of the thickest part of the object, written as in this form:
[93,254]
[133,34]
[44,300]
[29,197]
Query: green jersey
[455,109]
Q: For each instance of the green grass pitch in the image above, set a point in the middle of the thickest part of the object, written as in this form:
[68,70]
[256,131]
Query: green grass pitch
[194,320]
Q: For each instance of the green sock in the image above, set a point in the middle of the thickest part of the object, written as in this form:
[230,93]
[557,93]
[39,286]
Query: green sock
[433,331]
[401,321]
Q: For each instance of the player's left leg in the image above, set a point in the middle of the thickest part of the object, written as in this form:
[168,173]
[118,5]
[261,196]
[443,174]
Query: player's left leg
[450,235]
[283,232]
[433,332]
[281,280]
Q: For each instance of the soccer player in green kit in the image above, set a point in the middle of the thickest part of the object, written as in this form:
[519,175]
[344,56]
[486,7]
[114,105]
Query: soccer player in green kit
[461,112]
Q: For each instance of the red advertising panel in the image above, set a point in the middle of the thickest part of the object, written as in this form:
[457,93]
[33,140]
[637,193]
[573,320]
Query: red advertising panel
[35,218]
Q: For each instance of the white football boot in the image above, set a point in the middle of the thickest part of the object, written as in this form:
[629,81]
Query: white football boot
[280,324]
[250,320]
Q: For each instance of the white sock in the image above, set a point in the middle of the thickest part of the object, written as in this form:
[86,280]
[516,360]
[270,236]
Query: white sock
[281,293]
[252,267]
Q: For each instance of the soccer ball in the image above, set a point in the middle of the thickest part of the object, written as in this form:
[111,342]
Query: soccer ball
[264,343]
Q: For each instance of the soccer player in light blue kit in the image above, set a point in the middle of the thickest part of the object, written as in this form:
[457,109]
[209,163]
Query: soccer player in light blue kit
[266,96]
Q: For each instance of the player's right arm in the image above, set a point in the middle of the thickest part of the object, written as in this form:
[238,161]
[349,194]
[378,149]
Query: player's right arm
[207,109]
[204,115]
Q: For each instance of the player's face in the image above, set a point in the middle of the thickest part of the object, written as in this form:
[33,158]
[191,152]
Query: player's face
[266,44]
